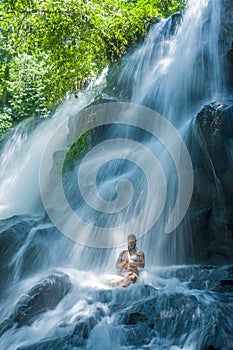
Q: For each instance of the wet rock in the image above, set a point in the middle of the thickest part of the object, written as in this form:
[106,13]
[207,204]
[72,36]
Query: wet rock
[229,68]
[24,247]
[211,210]
[38,253]
[67,342]
[104,296]
[227,282]
[44,296]
[227,24]
[158,315]
[209,277]
[133,335]
[84,325]
[172,316]
[216,125]
[121,296]
[224,286]
[13,232]
[103,98]
[226,39]
[172,25]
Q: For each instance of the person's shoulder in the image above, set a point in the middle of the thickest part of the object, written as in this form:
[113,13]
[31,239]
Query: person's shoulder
[140,252]
[123,251]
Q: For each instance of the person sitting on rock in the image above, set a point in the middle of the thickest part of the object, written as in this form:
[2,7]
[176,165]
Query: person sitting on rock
[129,261]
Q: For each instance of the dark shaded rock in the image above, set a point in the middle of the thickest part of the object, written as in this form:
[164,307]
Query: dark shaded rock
[13,232]
[211,210]
[158,315]
[212,278]
[225,286]
[146,314]
[24,247]
[104,296]
[172,25]
[175,316]
[229,68]
[134,334]
[42,297]
[135,317]
[227,24]
[121,296]
[103,98]
[79,336]
[83,327]
[211,347]
[226,39]
[216,125]
[38,254]
[227,282]
[86,324]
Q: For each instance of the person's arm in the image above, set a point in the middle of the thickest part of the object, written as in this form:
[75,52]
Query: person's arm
[140,263]
[121,263]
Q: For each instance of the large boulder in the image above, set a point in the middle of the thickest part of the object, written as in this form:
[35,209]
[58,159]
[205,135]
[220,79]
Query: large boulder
[44,296]
[227,23]
[199,303]
[216,125]
[27,244]
[172,316]
[13,233]
[226,39]
[211,210]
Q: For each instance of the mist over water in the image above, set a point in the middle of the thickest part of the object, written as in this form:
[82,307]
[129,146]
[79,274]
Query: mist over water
[53,290]
[21,153]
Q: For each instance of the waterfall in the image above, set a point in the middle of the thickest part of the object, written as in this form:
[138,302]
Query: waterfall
[172,72]
[61,232]
[21,153]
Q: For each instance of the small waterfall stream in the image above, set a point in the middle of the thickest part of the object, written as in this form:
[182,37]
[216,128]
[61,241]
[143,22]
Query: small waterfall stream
[53,294]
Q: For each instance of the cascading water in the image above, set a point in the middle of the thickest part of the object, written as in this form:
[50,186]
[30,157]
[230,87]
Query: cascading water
[173,73]
[52,292]
[21,153]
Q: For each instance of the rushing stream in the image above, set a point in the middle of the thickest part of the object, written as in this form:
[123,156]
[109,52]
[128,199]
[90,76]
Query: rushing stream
[53,290]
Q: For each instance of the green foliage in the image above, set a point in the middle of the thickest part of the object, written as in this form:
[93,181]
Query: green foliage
[27,87]
[50,48]
[6,121]
[77,151]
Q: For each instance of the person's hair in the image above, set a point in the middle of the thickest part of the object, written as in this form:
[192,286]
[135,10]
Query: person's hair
[132,237]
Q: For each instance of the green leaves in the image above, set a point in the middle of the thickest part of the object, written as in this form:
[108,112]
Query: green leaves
[49,48]
[27,87]
[6,121]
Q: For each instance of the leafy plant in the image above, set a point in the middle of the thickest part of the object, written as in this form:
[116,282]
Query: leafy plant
[50,48]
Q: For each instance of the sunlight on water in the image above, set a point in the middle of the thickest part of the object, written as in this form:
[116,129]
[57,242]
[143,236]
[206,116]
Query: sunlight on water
[56,293]
[21,154]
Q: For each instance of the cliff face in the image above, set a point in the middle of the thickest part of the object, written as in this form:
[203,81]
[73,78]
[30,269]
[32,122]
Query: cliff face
[227,23]
[212,155]
[227,40]
[212,202]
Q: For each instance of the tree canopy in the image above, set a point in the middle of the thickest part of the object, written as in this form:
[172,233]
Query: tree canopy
[49,48]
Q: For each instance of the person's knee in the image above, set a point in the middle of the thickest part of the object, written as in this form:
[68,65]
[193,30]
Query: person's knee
[133,278]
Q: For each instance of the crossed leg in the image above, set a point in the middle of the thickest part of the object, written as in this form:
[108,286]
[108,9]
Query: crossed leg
[131,278]
[118,280]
